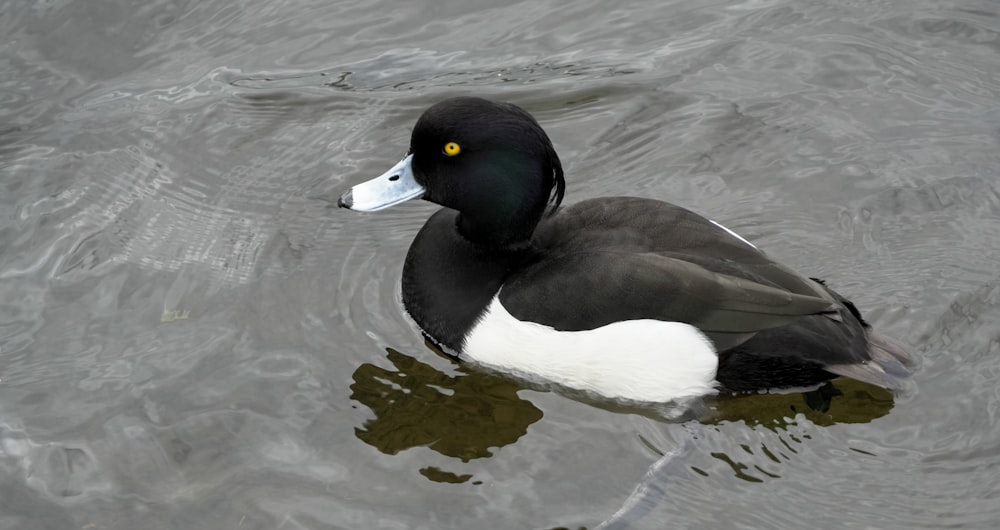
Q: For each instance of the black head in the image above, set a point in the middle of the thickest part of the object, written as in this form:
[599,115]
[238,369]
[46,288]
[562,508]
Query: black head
[490,161]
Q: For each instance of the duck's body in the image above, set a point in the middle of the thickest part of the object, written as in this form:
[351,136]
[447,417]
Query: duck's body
[625,297]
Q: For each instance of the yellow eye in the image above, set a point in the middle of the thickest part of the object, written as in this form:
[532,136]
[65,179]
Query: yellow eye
[452,149]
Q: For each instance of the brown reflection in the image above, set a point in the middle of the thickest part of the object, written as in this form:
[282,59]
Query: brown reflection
[436,474]
[838,401]
[417,405]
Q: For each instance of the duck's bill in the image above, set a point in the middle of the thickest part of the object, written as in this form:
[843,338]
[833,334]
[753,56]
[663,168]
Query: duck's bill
[388,189]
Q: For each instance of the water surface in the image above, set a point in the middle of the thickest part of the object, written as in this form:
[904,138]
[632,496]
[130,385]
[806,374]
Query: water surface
[192,336]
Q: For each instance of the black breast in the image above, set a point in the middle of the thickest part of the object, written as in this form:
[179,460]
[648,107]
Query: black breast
[448,282]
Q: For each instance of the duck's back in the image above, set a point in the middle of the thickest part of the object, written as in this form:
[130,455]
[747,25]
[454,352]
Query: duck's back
[617,259]
[632,224]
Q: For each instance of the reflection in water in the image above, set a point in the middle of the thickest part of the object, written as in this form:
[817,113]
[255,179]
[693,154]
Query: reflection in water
[464,416]
[839,401]
[417,405]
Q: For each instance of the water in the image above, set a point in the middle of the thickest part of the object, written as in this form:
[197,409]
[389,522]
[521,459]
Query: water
[192,336]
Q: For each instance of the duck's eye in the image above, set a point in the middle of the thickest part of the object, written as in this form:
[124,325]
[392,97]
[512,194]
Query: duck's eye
[452,149]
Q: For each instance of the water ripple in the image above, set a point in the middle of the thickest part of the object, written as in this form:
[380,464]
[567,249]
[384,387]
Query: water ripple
[191,334]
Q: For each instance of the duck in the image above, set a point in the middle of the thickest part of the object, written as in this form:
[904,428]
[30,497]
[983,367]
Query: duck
[625,298]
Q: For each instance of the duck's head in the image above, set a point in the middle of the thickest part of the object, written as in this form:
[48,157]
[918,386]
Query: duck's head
[490,161]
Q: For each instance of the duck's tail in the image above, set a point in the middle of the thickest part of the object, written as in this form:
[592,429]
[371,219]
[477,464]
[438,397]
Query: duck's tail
[890,366]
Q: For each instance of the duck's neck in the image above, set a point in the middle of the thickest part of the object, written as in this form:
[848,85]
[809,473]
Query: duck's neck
[500,231]
[448,281]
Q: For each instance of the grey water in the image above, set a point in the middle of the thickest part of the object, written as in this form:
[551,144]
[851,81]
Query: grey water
[192,335]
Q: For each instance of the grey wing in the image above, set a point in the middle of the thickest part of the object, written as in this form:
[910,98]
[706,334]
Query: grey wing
[588,289]
[632,224]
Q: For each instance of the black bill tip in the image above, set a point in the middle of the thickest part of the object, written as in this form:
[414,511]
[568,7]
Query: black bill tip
[346,200]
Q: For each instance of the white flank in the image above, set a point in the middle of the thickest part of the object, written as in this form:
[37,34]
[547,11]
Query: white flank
[641,360]
[734,234]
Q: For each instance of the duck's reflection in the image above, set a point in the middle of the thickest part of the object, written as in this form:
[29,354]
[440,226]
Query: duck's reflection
[791,416]
[417,405]
[839,401]
[464,416]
